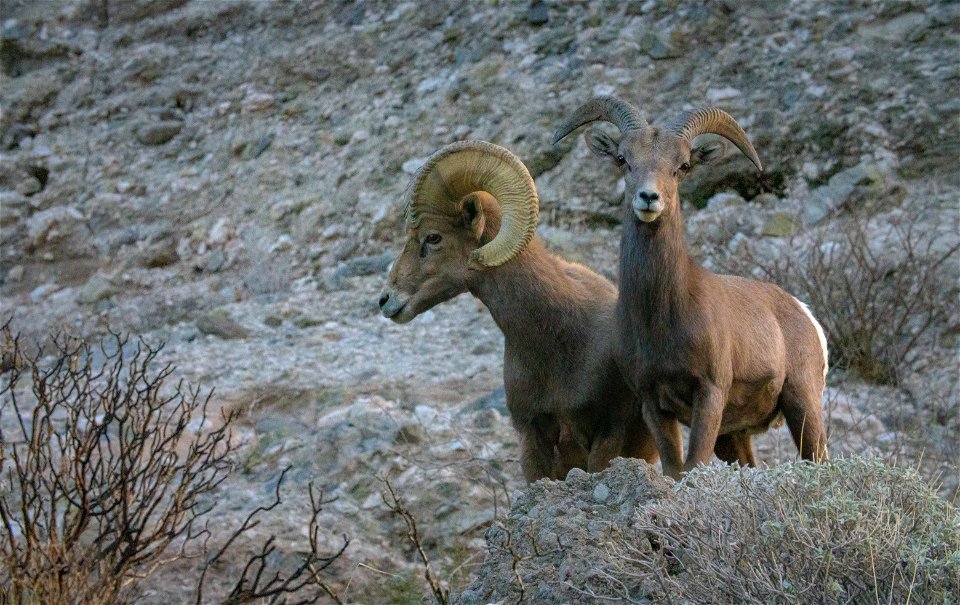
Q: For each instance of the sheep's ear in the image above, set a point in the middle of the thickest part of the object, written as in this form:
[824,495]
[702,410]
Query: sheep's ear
[471,213]
[708,152]
[601,144]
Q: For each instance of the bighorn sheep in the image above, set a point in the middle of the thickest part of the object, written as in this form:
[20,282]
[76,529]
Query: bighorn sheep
[471,221]
[722,354]
[471,216]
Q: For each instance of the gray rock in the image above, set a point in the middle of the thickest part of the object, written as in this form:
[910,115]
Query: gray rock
[162,253]
[158,133]
[780,224]
[825,200]
[256,148]
[538,14]
[98,287]
[219,323]
[29,186]
[910,27]
[214,261]
[657,46]
[13,199]
[497,400]
[54,225]
[43,291]
[575,522]
[724,199]
[15,274]
[366,265]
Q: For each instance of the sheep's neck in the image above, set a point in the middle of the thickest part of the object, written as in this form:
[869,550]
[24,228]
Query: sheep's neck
[528,298]
[655,271]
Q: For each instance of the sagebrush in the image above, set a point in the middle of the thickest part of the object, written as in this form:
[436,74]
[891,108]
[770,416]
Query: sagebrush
[848,531]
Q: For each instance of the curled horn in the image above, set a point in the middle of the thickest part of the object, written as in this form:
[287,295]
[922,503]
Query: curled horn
[609,109]
[712,120]
[465,167]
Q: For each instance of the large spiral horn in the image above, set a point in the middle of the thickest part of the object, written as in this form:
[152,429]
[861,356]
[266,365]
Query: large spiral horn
[609,109]
[467,166]
[712,120]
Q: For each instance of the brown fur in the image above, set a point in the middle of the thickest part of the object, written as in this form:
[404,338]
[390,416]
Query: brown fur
[565,394]
[722,354]
[567,399]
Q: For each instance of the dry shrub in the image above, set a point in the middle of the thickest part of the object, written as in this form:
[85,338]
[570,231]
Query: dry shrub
[848,531]
[106,474]
[876,286]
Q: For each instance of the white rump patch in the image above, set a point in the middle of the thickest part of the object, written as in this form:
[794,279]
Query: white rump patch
[820,334]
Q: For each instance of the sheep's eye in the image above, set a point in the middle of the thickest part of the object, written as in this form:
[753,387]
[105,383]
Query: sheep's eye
[685,167]
[621,160]
[433,238]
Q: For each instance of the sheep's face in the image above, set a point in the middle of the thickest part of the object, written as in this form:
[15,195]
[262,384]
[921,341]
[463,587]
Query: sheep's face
[432,267]
[653,162]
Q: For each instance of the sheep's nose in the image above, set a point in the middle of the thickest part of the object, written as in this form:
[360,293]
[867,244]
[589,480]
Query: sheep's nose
[648,196]
[383,299]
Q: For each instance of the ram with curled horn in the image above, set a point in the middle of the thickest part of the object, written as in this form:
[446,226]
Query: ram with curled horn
[471,222]
[725,355]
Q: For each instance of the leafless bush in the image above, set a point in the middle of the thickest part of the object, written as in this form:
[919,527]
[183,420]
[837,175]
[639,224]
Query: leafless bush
[106,475]
[849,531]
[875,287]
[258,582]
[395,503]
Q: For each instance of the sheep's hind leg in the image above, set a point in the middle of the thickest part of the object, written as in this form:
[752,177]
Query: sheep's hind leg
[735,447]
[804,415]
[639,443]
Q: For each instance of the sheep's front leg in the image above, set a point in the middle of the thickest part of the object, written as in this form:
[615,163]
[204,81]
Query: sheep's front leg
[666,434]
[570,453]
[707,409]
[537,448]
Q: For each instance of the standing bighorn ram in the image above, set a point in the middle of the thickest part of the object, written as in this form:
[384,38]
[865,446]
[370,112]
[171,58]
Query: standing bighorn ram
[471,221]
[722,354]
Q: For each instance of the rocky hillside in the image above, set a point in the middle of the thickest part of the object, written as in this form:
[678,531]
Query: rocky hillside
[224,176]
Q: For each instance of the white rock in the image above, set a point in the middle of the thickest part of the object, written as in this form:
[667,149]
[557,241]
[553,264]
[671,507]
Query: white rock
[220,233]
[724,199]
[716,95]
[429,85]
[43,291]
[53,224]
[411,166]
[603,89]
[257,101]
